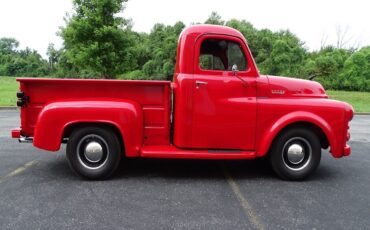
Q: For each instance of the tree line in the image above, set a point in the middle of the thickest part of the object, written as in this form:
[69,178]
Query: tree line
[100,44]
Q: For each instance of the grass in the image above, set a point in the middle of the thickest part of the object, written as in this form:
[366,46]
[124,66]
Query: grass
[359,100]
[8,88]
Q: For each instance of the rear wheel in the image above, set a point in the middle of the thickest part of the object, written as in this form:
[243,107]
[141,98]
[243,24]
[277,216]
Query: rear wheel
[94,152]
[295,154]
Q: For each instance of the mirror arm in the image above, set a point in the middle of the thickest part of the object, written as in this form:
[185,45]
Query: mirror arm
[235,72]
[245,84]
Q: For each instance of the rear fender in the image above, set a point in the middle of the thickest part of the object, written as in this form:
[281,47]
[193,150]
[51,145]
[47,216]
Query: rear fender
[300,116]
[125,115]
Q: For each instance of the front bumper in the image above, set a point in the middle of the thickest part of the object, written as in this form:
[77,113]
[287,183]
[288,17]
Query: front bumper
[346,150]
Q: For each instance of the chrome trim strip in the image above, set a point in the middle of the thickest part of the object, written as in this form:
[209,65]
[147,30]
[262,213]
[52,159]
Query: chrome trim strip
[25,139]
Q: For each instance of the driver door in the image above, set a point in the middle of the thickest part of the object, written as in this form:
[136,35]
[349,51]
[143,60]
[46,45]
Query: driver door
[224,105]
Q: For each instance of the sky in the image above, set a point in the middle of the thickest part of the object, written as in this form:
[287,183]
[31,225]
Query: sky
[35,23]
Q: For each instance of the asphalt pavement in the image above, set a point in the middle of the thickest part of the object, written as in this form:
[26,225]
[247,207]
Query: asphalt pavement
[39,191]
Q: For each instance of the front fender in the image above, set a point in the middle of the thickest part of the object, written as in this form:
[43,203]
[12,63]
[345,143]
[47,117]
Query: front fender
[125,115]
[299,116]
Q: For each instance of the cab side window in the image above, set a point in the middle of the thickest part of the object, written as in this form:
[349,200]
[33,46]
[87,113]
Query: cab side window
[221,55]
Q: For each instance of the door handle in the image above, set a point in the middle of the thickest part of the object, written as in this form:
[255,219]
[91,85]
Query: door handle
[198,83]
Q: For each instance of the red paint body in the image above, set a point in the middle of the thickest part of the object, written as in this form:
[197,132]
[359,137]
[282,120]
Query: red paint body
[216,115]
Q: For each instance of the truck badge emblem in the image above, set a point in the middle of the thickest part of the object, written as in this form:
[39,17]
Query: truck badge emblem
[276,91]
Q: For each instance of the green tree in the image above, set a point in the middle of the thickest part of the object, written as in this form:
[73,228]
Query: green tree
[96,40]
[53,56]
[214,19]
[155,52]
[27,63]
[279,53]
[356,71]
[326,65]
[8,45]
[15,62]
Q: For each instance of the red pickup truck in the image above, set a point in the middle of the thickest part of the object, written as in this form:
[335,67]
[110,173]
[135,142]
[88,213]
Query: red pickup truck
[218,107]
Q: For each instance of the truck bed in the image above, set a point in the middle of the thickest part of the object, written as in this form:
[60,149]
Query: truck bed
[153,97]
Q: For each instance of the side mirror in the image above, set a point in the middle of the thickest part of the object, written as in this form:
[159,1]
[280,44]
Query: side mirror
[235,70]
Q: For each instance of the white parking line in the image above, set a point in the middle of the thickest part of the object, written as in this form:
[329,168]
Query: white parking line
[243,201]
[18,170]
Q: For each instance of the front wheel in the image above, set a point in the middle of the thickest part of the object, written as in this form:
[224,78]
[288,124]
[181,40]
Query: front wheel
[94,152]
[295,154]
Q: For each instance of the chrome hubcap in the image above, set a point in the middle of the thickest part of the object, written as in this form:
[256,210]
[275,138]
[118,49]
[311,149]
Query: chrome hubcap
[93,152]
[295,154]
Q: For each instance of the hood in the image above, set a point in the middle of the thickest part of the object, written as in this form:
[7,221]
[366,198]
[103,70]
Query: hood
[293,87]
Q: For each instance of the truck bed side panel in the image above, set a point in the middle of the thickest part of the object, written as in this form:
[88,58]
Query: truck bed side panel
[152,96]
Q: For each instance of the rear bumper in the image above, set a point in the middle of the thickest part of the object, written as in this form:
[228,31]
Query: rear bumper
[16,133]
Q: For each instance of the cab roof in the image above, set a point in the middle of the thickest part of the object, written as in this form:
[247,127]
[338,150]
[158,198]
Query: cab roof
[210,29]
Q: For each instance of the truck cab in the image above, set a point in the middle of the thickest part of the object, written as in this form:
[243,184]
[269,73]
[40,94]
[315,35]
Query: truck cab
[217,107]
[221,101]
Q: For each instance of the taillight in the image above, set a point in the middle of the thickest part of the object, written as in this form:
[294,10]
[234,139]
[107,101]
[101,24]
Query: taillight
[20,94]
[22,99]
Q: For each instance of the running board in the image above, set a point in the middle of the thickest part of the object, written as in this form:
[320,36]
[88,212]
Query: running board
[169,151]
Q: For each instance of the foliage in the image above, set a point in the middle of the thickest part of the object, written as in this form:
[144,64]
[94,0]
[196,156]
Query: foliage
[14,62]
[94,41]
[214,19]
[356,71]
[133,75]
[156,52]
[53,56]
[326,65]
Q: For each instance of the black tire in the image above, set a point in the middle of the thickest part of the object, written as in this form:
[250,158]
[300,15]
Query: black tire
[94,153]
[303,157]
